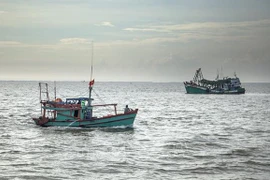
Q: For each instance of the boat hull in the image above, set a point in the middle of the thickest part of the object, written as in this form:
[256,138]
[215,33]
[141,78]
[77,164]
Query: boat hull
[196,90]
[125,120]
[191,89]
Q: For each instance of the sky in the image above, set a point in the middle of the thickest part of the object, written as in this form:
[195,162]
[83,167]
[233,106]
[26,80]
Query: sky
[134,40]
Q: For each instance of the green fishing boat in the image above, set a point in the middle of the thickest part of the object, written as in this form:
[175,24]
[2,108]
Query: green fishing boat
[227,85]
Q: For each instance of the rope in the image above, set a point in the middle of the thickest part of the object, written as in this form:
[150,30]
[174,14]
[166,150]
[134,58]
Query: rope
[101,100]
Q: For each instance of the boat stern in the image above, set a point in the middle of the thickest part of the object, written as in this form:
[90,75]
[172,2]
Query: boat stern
[40,121]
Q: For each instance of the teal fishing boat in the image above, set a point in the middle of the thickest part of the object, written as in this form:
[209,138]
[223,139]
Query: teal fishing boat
[78,112]
[227,85]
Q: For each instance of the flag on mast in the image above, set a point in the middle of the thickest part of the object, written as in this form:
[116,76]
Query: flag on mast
[91,83]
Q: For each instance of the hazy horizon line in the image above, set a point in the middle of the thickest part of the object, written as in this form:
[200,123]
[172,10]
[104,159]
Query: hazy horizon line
[109,81]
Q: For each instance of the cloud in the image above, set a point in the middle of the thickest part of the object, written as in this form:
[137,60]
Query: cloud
[200,26]
[213,25]
[3,12]
[10,43]
[145,29]
[74,41]
[106,23]
[218,31]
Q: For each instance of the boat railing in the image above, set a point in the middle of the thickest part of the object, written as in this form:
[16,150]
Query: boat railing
[105,105]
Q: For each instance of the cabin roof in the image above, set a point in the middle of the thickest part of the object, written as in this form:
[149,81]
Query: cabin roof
[78,99]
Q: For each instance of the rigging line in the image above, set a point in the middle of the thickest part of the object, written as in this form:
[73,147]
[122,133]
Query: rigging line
[101,100]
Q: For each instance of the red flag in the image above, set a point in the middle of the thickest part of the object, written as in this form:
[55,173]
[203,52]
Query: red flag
[91,83]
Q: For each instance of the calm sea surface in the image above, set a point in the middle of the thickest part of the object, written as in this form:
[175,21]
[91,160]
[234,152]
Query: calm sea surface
[175,135]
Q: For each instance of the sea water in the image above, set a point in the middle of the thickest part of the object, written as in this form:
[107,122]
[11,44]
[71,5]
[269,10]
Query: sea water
[175,135]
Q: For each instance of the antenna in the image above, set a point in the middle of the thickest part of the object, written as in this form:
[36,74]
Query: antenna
[222,72]
[217,75]
[92,59]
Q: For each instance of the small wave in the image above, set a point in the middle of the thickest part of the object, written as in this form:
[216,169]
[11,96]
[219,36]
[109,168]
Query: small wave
[41,177]
[256,162]
[6,136]
[20,164]
[241,152]
[204,156]
[215,144]
[202,170]
[118,129]
[11,152]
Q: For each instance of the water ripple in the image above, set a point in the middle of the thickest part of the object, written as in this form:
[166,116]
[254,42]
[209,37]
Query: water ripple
[175,136]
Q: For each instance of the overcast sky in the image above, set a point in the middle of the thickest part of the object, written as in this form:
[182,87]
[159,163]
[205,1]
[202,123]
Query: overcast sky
[134,40]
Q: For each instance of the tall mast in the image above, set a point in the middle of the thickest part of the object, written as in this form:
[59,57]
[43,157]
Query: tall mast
[91,75]
[92,59]
[54,90]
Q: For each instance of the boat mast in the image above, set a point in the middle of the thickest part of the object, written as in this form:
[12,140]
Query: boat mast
[92,59]
[198,76]
[222,73]
[91,75]
[54,90]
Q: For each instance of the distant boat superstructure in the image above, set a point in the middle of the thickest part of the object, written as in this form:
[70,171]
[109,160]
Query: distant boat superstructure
[227,85]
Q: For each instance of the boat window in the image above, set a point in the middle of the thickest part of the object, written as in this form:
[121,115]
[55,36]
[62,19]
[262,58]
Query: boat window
[76,113]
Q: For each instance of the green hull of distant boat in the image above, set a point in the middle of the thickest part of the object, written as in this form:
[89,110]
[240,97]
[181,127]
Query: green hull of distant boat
[196,90]
[202,90]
